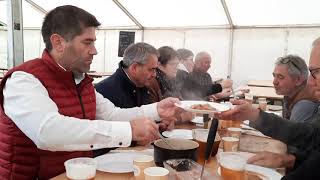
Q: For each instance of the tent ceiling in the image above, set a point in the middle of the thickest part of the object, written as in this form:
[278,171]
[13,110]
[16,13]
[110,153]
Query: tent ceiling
[168,13]
[178,13]
[274,12]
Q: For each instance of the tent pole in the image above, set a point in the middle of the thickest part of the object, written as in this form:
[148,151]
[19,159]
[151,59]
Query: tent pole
[15,33]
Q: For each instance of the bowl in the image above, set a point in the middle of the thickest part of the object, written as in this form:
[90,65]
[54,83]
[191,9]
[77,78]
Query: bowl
[182,149]
[81,168]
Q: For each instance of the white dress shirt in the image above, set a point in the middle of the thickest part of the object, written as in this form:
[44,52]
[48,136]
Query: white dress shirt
[27,103]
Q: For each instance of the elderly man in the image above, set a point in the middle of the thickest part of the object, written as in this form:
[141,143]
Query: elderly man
[50,111]
[290,79]
[198,84]
[302,135]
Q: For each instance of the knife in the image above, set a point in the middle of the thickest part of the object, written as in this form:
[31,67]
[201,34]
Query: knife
[210,142]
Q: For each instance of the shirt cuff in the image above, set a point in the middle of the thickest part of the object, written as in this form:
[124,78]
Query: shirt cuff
[151,111]
[121,134]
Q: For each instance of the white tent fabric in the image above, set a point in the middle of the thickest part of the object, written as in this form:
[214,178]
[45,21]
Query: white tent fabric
[263,30]
[274,12]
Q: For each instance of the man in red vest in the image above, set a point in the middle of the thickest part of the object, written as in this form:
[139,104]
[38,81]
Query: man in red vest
[50,111]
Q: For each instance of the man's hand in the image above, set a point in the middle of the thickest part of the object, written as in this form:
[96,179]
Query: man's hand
[144,130]
[272,160]
[226,92]
[186,116]
[166,107]
[242,111]
[167,124]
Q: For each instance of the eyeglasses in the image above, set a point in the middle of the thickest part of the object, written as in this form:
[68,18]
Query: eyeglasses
[287,60]
[314,72]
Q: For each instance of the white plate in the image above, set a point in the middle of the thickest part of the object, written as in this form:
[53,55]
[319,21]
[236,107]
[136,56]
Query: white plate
[197,120]
[269,173]
[186,105]
[178,133]
[116,162]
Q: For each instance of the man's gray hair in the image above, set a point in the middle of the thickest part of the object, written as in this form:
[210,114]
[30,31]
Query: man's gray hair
[201,55]
[296,65]
[184,54]
[138,52]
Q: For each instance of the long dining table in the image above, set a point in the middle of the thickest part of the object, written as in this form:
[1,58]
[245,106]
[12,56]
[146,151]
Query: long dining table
[211,167]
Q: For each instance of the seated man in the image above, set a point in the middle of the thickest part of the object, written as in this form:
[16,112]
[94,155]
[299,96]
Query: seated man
[198,84]
[50,111]
[127,87]
[290,79]
[304,136]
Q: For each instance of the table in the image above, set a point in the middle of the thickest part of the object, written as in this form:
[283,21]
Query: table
[264,92]
[260,83]
[211,166]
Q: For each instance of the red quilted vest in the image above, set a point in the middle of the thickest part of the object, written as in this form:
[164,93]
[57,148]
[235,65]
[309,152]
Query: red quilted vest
[20,159]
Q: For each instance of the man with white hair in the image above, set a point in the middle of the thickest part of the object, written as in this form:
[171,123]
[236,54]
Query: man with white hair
[199,85]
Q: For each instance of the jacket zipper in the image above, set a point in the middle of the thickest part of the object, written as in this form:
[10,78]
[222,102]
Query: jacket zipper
[81,103]
[80,99]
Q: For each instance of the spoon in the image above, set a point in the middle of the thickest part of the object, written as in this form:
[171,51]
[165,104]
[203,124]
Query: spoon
[165,141]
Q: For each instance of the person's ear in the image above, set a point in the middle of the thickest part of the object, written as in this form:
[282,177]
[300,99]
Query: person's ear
[299,81]
[57,42]
[133,68]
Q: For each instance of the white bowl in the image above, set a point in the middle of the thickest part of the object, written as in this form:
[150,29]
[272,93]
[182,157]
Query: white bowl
[81,168]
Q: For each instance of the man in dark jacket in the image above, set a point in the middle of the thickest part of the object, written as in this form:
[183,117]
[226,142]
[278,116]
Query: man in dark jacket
[301,135]
[126,88]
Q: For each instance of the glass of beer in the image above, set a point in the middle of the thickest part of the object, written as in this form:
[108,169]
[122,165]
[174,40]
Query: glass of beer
[262,104]
[234,132]
[200,136]
[248,97]
[230,144]
[232,166]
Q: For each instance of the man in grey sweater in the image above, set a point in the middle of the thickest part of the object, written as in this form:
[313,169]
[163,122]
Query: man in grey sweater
[301,135]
